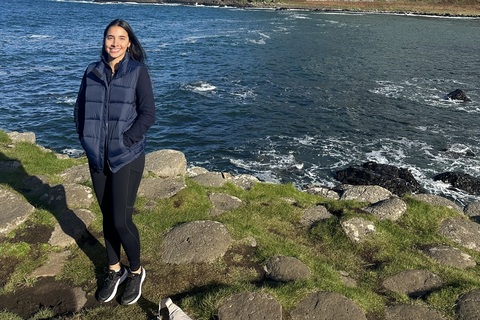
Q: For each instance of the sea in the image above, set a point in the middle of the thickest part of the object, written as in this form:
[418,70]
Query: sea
[289,96]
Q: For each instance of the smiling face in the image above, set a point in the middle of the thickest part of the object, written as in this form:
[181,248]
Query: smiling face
[116,44]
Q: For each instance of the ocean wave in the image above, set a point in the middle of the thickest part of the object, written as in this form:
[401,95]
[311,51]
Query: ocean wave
[39,36]
[314,159]
[431,92]
[200,87]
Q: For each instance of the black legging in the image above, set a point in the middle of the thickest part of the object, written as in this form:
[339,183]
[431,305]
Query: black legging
[116,193]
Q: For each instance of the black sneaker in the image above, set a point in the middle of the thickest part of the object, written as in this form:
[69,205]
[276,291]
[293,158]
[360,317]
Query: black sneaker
[133,289]
[110,285]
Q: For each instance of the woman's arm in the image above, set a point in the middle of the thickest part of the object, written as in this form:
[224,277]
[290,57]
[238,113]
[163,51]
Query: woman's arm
[145,109]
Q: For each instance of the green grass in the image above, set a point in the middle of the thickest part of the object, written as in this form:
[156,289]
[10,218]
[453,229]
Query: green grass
[270,215]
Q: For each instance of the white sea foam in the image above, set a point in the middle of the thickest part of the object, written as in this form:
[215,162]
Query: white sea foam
[428,91]
[261,41]
[66,100]
[300,16]
[39,36]
[75,153]
[314,159]
[245,94]
[200,87]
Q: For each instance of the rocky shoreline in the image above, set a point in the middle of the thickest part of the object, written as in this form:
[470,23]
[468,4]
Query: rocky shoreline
[204,241]
[414,8]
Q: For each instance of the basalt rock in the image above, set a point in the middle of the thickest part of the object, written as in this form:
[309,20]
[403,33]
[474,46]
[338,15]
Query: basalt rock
[458,94]
[399,181]
[462,181]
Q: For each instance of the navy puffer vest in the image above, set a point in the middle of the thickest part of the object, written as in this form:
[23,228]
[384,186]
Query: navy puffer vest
[110,110]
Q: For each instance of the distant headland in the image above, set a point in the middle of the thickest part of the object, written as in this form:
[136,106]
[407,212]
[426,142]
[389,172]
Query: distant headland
[461,8]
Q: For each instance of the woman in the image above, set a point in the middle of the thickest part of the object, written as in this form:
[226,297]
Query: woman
[114,109]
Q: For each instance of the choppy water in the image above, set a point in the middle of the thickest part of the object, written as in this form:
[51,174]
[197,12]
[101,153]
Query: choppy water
[288,96]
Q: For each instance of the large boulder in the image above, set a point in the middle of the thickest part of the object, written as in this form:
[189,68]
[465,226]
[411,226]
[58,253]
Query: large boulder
[211,179]
[15,210]
[69,195]
[222,203]
[161,188]
[389,209]
[71,226]
[77,174]
[285,269]
[461,231]
[435,200]
[414,283]
[17,137]
[450,256]
[313,215]
[195,242]
[460,180]
[458,94]
[358,229]
[250,305]
[370,194]
[323,305]
[399,181]
[468,305]
[411,312]
[166,163]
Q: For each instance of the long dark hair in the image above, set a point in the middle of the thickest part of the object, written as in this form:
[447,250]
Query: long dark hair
[136,51]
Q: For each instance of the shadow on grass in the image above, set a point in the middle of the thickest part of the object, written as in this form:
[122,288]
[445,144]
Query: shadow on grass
[53,199]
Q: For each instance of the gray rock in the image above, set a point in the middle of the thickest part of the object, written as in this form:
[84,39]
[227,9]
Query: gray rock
[35,186]
[79,297]
[250,305]
[390,209]
[472,210]
[166,163]
[314,214]
[244,181]
[77,174]
[458,94]
[347,279]
[412,312]
[371,194]
[450,256]
[436,201]
[70,195]
[285,269]
[222,203]
[195,171]
[323,192]
[161,188]
[414,283]
[211,179]
[468,306]
[462,231]
[17,137]
[15,210]
[70,227]
[327,306]
[358,229]
[194,242]
[54,265]
[9,166]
